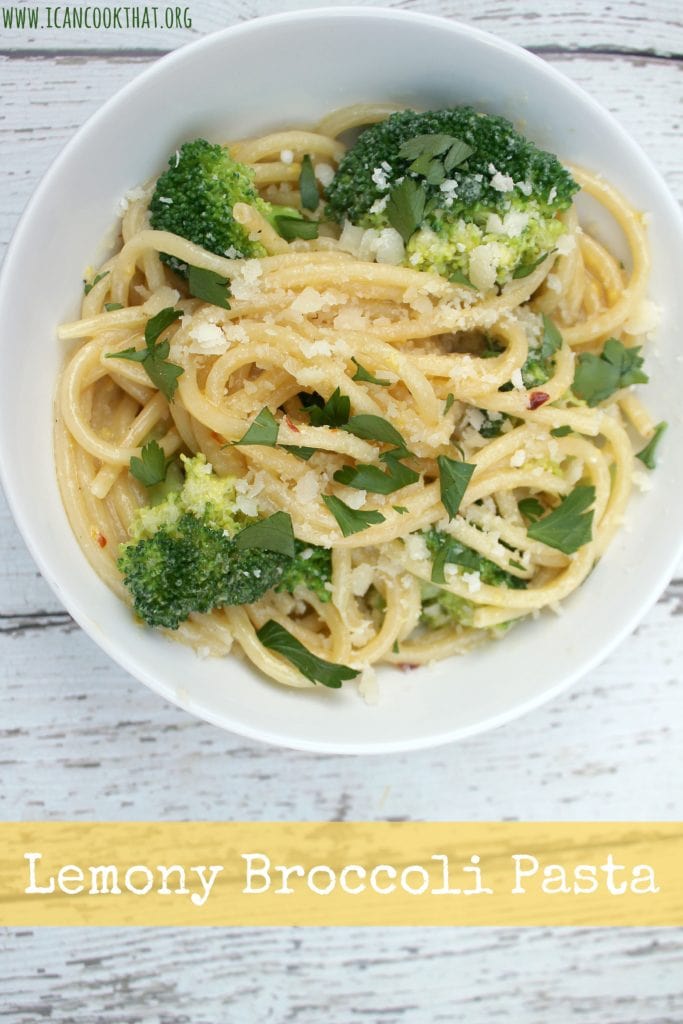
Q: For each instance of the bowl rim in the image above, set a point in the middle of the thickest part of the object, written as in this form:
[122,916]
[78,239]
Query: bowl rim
[39,552]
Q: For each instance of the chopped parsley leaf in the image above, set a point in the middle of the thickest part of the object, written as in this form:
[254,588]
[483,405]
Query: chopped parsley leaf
[274,533]
[648,454]
[453,478]
[308,186]
[151,468]
[334,413]
[371,478]
[598,377]
[209,286]
[88,286]
[405,208]
[531,509]
[362,374]
[290,228]
[569,526]
[351,520]
[263,431]
[375,428]
[276,638]
[164,375]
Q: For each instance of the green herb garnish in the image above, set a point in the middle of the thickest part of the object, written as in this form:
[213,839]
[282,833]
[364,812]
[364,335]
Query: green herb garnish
[209,286]
[446,549]
[308,186]
[274,533]
[111,307]
[450,398]
[151,468]
[569,526]
[365,375]
[163,375]
[290,228]
[648,455]
[524,269]
[531,509]
[263,431]
[88,287]
[276,638]
[334,413]
[561,431]
[405,208]
[351,520]
[598,377]
[460,277]
[453,478]
[371,478]
[375,428]
[301,452]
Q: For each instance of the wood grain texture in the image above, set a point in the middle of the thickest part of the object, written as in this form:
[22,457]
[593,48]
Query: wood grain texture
[81,739]
[340,976]
[625,26]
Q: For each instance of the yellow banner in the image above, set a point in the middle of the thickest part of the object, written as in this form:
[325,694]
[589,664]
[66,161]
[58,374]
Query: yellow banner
[339,873]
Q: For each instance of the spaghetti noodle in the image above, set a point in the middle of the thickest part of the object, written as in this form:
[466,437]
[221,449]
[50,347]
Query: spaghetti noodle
[440,363]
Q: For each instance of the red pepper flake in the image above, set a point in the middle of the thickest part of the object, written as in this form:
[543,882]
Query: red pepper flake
[537,398]
[101,540]
[217,437]
[291,425]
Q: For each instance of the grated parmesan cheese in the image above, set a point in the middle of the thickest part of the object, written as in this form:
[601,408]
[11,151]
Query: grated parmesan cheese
[516,378]
[324,173]
[518,458]
[207,339]
[307,489]
[361,579]
[473,581]
[416,548]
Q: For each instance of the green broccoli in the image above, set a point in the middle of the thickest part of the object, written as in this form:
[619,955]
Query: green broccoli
[441,608]
[194,198]
[203,494]
[193,567]
[183,556]
[472,198]
[311,568]
[446,549]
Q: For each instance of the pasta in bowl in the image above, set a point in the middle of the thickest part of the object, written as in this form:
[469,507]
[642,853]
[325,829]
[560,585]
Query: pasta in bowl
[344,406]
[353,600]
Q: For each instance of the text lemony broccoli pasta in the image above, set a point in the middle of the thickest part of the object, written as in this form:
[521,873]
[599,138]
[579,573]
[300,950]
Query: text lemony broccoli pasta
[334,405]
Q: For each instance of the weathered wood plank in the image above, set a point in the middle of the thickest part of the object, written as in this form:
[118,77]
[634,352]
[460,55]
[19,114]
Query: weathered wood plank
[378,976]
[627,26]
[75,726]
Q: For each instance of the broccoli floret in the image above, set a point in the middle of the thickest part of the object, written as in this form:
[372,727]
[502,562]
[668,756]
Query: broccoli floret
[203,493]
[194,198]
[183,557]
[488,198]
[447,547]
[311,568]
[441,608]
[193,567]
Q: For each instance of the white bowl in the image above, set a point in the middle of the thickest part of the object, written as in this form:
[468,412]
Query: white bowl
[272,72]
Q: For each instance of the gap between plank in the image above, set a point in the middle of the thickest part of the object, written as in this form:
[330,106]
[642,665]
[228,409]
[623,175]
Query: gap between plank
[542,50]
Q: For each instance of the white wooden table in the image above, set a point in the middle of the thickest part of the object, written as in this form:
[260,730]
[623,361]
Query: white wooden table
[80,739]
